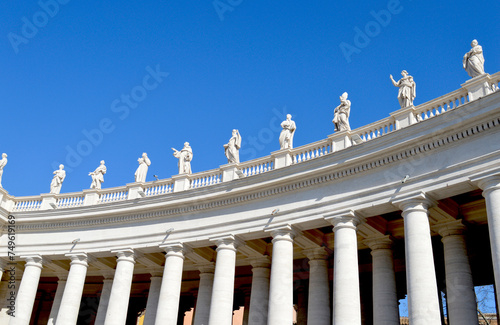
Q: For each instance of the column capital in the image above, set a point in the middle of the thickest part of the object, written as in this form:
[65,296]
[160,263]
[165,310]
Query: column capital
[414,201]
[174,249]
[283,232]
[78,258]
[35,260]
[450,228]
[487,183]
[226,242]
[156,273]
[261,262]
[344,219]
[125,254]
[318,253]
[382,242]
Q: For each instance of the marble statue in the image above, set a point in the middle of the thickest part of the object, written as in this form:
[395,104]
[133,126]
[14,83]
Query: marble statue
[57,180]
[473,61]
[407,89]
[341,114]
[286,135]
[3,162]
[185,156]
[231,149]
[98,176]
[142,170]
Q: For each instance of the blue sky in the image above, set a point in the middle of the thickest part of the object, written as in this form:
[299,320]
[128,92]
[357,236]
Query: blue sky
[74,70]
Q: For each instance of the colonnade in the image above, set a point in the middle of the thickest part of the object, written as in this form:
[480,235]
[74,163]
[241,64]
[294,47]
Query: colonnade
[271,295]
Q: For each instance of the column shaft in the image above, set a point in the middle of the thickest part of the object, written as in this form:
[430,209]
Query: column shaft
[202,309]
[103,302]
[385,299]
[56,304]
[221,308]
[460,295]
[318,311]
[27,290]
[280,310]
[423,301]
[116,313]
[346,296]
[153,298]
[259,296]
[491,193]
[168,303]
[72,296]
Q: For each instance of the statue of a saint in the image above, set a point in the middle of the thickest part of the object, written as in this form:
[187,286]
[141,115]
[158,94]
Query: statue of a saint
[57,180]
[98,176]
[473,61]
[286,135]
[3,162]
[407,89]
[231,149]
[142,170]
[185,156]
[341,114]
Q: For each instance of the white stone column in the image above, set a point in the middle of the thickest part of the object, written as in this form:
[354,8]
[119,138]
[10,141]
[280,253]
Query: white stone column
[259,296]
[56,303]
[3,267]
[346,296]
[116,313]
[460,295]
[104,299]
[491,193]
[423,301]
[221,307]
[72,296]
[202,309]
[153,298]
[170,293]
[27,290]
[385,298]
[280,311]
[318,307]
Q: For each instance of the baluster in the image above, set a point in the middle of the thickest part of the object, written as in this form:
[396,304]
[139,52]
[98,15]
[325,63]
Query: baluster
[265,167]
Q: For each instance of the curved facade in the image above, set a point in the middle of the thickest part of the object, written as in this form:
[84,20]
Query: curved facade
[339,229]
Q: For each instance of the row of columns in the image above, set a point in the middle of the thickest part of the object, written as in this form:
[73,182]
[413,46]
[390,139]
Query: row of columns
[271,300]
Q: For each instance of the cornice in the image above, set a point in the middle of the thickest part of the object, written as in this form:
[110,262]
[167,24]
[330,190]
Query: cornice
[290,179]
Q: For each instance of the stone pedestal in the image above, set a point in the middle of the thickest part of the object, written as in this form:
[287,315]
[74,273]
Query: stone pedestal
[229,172]
[49,201]
[340,140]
[91,196]
[478,87]
[282,158]
[404,117]
[181,182]
[135,191]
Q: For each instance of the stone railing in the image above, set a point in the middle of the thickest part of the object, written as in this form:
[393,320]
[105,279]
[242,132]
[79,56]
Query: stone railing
[471,90]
